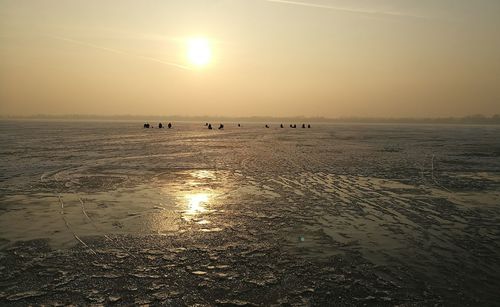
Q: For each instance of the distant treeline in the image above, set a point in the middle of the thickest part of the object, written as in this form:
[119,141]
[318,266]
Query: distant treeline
[472,119]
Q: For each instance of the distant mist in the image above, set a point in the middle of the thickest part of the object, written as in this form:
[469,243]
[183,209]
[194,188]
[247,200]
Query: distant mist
[471,119]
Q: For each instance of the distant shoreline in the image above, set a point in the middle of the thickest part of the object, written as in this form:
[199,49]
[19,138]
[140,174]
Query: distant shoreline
[473,119]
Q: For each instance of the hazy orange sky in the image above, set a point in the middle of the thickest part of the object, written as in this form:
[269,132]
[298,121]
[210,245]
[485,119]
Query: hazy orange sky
[389,58]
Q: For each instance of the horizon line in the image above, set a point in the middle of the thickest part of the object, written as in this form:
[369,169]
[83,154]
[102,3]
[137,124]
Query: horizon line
[470,117]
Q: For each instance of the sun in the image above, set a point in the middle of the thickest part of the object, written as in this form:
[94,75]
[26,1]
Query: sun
[199,52]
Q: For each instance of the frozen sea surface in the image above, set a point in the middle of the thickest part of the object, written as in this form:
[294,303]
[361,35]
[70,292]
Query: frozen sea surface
[109,212]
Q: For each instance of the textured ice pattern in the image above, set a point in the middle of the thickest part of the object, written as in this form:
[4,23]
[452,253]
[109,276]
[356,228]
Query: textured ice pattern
[109,212]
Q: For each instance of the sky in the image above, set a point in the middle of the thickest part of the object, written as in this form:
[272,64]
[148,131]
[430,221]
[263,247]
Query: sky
[331,58]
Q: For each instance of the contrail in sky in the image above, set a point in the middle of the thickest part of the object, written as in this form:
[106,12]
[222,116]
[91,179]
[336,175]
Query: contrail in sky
[120,52]
[347,10]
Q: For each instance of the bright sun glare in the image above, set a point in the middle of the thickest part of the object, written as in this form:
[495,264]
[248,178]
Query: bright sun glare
[198,51]
[196,202]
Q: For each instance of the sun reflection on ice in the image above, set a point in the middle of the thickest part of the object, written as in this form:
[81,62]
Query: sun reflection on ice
[203,174]
[196,203]
[194,193]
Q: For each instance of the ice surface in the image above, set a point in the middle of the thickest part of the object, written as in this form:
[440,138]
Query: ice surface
[109,212]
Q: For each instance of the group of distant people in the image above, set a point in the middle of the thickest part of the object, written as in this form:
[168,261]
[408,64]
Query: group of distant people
[160,125]
[293,126]
[221,126]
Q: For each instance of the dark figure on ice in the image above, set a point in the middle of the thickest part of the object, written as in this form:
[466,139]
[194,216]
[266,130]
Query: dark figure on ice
[303,125]
[160,125]
[239,125]
[169,125]
[294,126]
[210,126]
[146,125]
[308,126]
[206,124]
[291,126]
[221,126]
[281,126]
[267,126]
